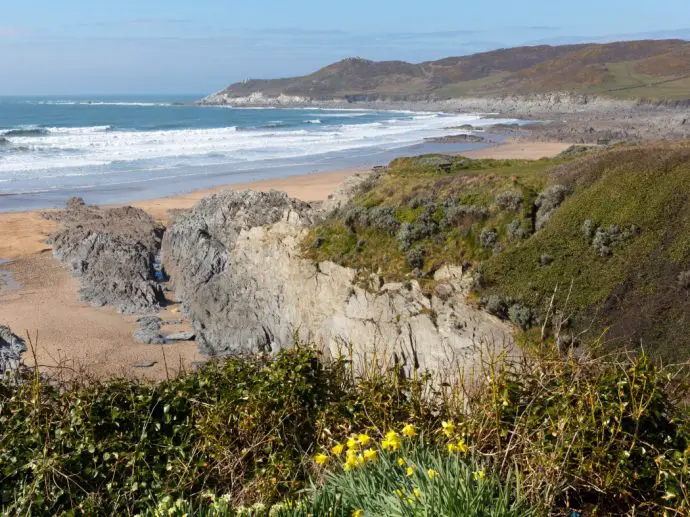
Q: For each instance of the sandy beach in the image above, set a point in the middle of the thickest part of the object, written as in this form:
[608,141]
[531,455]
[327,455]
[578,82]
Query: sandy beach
[42,299]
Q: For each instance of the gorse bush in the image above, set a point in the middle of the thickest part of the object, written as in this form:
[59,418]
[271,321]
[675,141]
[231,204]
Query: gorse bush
[608,435]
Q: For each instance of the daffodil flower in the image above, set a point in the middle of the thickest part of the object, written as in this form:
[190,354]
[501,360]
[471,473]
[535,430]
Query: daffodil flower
[358,513]
[370,455]
[409,431]
[448,428]
[338,449]
[363,439]
[431,473]
[479,475]
[321,459]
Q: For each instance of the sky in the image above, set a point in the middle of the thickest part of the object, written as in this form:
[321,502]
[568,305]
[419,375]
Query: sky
[197,47]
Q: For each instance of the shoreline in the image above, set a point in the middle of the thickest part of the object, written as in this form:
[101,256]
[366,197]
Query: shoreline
[44,298]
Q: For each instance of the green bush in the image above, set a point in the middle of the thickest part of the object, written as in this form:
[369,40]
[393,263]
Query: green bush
[608,435]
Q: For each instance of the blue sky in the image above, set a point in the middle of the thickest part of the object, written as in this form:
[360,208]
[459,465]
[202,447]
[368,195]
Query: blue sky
[175,46]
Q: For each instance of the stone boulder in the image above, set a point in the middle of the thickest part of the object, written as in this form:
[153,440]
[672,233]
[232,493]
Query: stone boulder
[113,252]
[237,267]
[11,349]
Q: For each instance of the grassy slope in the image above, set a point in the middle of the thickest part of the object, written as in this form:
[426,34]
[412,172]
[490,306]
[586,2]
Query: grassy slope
[635,69]
[635,290]
[409,188]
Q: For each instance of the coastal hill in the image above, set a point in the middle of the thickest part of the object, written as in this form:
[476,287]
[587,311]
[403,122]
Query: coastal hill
[653,69]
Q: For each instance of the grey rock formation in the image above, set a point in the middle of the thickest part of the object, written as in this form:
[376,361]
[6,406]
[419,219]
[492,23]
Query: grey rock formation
[112,251]
[236,264]
[11,349]
[181,336]
[148,336]
[150,322]
[455,139]
[199,253]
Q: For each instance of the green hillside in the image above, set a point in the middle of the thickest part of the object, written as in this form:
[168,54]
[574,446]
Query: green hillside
[609,231]
[632,69]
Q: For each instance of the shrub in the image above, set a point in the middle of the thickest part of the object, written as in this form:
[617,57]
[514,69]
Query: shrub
[521,315]
[609,435]
[515,231]
[415,258]
[494,304]
[455,214]
[383,218]
[488,238]
[509,200]
[424,227]
[547,202]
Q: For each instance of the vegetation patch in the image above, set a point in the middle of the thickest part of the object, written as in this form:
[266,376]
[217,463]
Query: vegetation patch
[294,436]
[580,245]
[429,211]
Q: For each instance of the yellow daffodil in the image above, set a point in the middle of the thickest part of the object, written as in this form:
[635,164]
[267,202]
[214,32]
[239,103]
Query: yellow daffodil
[431,473]
[410,500]
[321,459]
[358,513]
[363,439]
[448,428]
[391,442]
[352,443]
[452,448]
[401,462]
[417,493]
[338,448]
[399,493]
[462,446]
[350,461]
[370,455]
[410,470]
[479,475]
[360,459]
[409,431]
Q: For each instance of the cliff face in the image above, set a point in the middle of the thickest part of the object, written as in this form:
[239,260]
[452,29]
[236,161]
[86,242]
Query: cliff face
[237,268]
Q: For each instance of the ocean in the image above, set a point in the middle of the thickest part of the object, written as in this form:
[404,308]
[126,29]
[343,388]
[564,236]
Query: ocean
[119,149]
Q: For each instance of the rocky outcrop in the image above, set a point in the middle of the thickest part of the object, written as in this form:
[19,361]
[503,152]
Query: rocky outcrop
[455,139]
[11,349]
[236,264]
[113,252]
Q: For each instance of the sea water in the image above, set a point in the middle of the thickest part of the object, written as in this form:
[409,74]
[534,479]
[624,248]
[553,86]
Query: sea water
[111,150]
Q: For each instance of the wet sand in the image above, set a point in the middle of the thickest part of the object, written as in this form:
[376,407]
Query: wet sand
[43,299]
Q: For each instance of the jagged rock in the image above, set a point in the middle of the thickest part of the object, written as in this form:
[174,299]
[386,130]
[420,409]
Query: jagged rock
[11,349]
[112,251]
[150,322]
[181,336]
[147,336]
[236,264]
[455,139]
